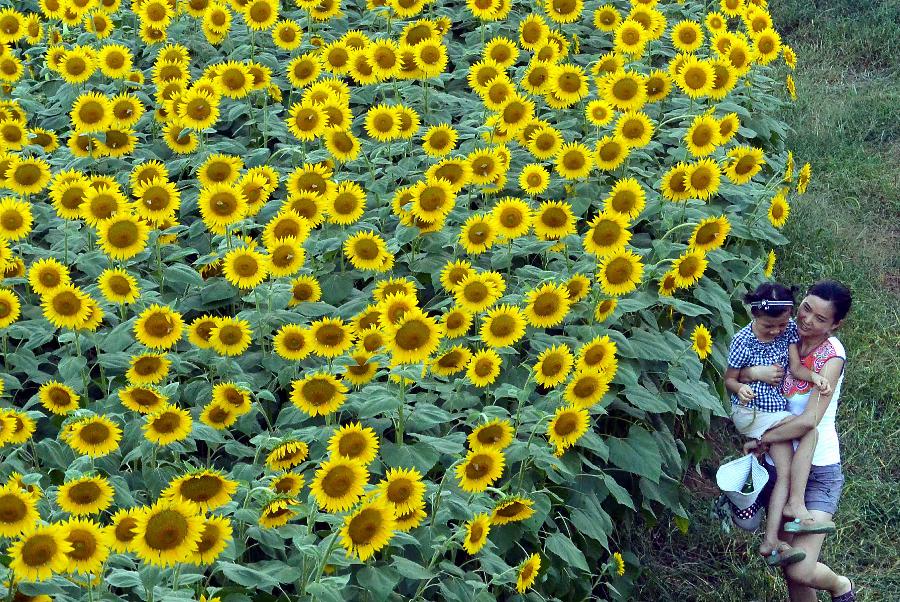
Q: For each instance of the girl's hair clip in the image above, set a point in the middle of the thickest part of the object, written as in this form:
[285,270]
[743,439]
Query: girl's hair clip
[765,304]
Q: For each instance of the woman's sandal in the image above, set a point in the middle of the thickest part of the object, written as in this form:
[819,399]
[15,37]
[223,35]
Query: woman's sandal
[786,557]
[798,526]
[848,597]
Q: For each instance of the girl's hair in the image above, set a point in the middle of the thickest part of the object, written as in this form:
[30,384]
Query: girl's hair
[835,292]
[770,299]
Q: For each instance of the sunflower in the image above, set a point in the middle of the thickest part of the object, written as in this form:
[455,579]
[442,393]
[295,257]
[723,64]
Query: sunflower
[198,109]
[553,366]
[703,136]
[277,513]
[578,286]
[710,233]
[688,268]
[10,308]
[287,455]
[744,162]
[610,152]
[477,530]
[554,220]
[402,489]
[95,437]
[769,268]
[15,219]
[167,533]
[527,573]
[701,341]
[587,387]
[620,272]
[122,236]
[90,545]
[545,143]
[292,342]
[18,511]
[779,209]
[476,293]
[354,442]
[573,161]
[547,305]
[144,399]
[206,489]
[484,367]
[696,77]
[439,140]
[158,327]
[766,46]
[330,337]
[66,307]
[367,251]
[687,36]
[624,90]
[347,204]
[512,510]
[413,337]
[368,529]
[803,178]
[219,169]
[318,394]
[288,484]
[480,469]
[567,426]
[58,398]
[496,434]
[287,34]
[477,234]
[168,425]
[39,553]
[608,234]
[118,286]
[674,186]
[502,326]
[702,178]
[122,530]
[213,540]
[179,140]
[287,224]
[244,267]
[230,336]
[260,14]
[76,66]
[452,361]
[87,495]
[27,176]
[148,369]
[634,128]
[339,483]
[456,322]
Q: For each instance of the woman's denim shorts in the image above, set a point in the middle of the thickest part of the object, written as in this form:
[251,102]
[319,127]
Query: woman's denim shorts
[823,490]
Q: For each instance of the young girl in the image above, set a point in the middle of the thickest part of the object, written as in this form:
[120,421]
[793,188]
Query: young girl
[771,338]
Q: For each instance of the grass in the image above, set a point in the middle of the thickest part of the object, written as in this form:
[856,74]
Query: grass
[845,228]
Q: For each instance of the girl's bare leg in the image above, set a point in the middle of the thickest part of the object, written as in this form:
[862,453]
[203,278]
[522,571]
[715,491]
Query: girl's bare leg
[800,467]
[782,454]
[809,575]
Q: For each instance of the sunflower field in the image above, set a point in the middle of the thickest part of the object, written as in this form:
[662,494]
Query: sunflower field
[384,300]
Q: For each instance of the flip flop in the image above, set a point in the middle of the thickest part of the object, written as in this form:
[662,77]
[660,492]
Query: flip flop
[848,597]
[797,526]
[787,557]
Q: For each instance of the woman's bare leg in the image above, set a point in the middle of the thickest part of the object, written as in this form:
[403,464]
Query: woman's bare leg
[800,467]
[809,573]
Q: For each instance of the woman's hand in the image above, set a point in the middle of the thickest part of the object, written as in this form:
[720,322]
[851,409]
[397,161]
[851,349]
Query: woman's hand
[821,383]
[772,375]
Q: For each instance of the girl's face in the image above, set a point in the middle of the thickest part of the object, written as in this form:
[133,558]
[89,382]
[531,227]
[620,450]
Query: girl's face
[768,328]
[815,317]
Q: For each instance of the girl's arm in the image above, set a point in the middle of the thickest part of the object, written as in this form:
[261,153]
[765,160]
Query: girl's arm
[743,391]
[798,370]
[815,408]
[773,374]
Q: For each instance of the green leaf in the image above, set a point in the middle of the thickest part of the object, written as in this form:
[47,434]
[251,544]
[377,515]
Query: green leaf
[641,398]
[619,493]
[410,569]
[416,455]
[567,551]
[123,578]
[638,454]
[246,575]
[380,581]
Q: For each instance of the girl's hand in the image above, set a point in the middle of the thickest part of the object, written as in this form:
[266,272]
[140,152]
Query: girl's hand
[821,383]
[772,375]
[745,394]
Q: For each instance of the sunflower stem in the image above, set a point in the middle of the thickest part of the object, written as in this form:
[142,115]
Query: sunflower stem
[324,561]
[400,424]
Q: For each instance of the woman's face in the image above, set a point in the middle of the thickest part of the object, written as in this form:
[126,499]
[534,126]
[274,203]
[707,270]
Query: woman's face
[815,317]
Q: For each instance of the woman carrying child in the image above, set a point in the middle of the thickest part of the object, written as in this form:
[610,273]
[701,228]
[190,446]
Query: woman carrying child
[771,340]
[819,314]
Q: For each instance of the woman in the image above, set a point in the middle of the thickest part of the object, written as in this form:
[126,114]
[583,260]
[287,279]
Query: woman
[820,313]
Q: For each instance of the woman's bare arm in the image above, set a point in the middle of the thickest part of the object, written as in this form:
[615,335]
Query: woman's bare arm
[812,415]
